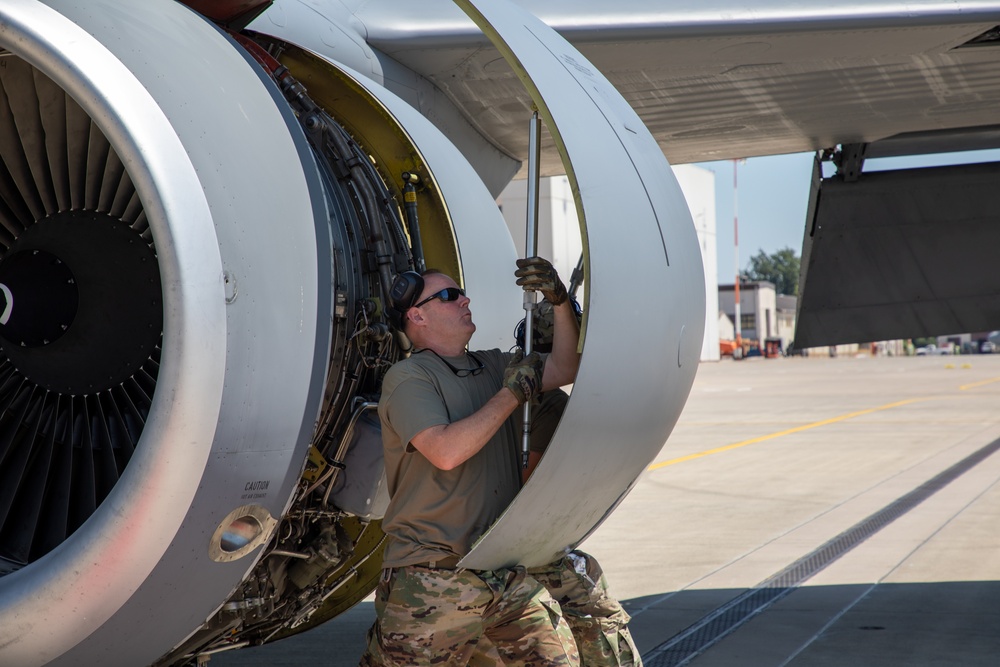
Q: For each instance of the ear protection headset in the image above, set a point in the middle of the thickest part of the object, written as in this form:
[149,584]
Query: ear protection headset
[405,290]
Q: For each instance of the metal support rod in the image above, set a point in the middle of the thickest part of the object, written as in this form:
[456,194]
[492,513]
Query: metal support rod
[530,250]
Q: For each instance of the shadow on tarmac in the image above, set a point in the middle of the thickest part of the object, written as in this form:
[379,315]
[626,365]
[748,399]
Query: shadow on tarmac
[949,623]
[918,625]
[337,643]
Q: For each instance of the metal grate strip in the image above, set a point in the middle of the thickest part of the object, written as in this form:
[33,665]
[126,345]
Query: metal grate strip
[713,627]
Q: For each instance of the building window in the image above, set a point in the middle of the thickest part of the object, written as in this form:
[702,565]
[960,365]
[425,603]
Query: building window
[748,321]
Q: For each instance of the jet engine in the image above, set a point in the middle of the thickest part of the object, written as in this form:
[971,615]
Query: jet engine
[197,227]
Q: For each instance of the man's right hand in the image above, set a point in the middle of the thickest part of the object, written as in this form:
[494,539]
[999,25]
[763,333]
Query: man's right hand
[537,274]
[523,375]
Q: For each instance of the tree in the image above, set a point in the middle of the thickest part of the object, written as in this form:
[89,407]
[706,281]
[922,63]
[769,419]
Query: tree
[780,268]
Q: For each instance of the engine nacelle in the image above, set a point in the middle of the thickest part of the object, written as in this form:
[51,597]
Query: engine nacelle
[196,229]
[120,483]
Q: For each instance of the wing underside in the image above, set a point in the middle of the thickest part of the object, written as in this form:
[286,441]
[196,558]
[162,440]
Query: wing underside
[732,79]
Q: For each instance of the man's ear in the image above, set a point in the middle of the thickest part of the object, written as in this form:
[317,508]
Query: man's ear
[415,316]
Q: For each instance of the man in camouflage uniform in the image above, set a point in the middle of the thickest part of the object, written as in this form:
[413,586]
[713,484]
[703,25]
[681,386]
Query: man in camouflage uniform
[598,622]
[449,431]
[576,581]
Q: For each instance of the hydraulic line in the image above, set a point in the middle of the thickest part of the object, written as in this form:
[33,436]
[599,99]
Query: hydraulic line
[369,205]
[335,144]
[410,181]
[345,441]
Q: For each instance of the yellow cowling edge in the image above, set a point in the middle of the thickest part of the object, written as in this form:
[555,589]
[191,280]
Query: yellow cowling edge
[387,143]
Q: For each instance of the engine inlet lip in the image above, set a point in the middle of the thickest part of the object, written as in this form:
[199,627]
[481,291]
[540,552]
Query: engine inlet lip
[132,527]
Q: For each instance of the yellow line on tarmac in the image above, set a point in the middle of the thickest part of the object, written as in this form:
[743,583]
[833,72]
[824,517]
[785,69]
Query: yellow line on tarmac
[797,429]
[978,384]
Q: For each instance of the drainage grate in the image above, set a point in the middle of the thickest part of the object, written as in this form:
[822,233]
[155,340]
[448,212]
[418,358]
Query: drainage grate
[696,639]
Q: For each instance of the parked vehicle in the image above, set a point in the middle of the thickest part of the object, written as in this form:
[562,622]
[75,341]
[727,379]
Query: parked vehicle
[772,348]
[729,348]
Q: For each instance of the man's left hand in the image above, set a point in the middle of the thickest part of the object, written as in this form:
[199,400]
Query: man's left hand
[523,375]
[537,274]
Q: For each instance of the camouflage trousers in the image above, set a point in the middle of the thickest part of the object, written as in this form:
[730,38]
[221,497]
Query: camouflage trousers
[436,617]
[598,622]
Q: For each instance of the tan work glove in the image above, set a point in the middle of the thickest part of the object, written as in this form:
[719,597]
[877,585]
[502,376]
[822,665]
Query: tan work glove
[537,274]
[523,375]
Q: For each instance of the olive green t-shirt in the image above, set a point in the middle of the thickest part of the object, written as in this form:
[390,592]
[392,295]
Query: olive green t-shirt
[434,513]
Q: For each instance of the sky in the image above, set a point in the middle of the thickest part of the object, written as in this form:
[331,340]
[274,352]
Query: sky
[772,194]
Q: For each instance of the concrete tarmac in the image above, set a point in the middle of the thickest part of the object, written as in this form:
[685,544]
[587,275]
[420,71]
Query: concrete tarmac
[805,512]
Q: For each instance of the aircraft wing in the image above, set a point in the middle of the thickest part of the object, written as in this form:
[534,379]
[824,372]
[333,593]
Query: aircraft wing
[728,79]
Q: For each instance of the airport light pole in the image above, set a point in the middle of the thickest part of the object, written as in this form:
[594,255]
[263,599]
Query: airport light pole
[736,256]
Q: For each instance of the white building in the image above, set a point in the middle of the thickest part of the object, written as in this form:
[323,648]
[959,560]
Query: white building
[559,238]
[759,313]
[559,232]
[698,186]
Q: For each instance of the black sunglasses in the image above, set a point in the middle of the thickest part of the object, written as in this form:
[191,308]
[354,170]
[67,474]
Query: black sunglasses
[447,294]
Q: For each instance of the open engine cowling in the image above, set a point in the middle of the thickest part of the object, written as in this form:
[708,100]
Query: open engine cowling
[193,253]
